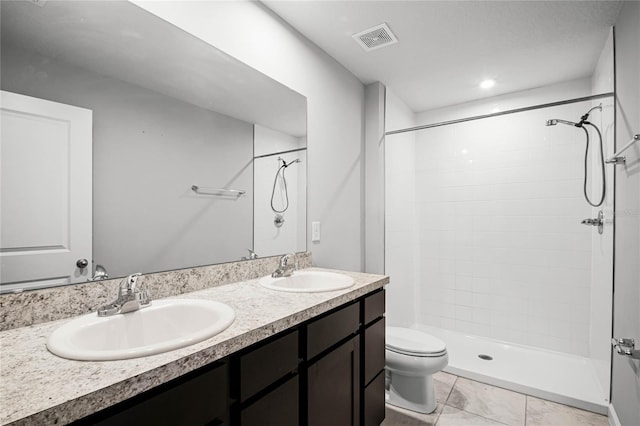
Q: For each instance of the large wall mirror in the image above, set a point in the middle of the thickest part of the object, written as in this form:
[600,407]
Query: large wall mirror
[196,157]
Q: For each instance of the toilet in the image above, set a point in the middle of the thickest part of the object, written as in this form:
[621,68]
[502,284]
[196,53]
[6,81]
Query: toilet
[412,357]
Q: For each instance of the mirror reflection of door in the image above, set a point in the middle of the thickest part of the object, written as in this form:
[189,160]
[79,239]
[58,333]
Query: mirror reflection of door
[45,205]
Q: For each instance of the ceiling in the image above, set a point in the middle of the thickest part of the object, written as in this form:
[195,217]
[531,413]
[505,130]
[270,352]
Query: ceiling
[446,48]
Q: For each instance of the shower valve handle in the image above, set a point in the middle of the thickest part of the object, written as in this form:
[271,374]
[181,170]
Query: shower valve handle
[598,221]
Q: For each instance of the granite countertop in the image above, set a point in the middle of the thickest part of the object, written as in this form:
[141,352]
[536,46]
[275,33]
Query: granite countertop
[37,387]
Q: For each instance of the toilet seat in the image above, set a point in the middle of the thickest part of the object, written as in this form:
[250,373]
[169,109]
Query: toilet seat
[410,342]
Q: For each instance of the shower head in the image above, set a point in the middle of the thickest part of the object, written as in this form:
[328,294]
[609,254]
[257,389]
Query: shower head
[555,121]
[285,164]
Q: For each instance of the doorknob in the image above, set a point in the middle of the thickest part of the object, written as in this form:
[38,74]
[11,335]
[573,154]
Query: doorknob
[626,346]
[82,263]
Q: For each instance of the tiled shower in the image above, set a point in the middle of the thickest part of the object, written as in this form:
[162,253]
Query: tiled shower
[483,217]
[483,233]
[502,251]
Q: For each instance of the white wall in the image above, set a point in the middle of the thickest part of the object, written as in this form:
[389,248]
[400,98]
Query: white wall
[401,244]
[626,372]
[148,150]
[253,34]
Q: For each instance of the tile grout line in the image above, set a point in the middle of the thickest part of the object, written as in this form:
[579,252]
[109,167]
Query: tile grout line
[444,403]
[482,416]
[526,405]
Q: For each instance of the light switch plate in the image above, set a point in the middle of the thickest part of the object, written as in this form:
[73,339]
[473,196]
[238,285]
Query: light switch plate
[315,232]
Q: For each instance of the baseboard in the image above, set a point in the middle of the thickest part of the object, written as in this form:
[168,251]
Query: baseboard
[613,417]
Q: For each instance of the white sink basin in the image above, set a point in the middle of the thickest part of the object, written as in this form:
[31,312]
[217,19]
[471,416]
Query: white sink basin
[163,326]
[308,282]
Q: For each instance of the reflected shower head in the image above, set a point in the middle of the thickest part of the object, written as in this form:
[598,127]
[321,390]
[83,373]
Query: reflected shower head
[285,164]
[555,121]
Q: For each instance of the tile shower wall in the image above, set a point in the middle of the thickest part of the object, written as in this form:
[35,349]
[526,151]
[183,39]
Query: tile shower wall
[502,253]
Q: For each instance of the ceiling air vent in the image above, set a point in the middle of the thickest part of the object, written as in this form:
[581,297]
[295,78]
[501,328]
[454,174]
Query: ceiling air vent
[375,38]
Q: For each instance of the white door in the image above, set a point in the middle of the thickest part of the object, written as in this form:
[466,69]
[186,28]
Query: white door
[45,193]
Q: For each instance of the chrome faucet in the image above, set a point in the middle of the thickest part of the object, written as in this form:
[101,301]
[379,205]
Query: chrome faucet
[252,255]
[129,298]
[285,269]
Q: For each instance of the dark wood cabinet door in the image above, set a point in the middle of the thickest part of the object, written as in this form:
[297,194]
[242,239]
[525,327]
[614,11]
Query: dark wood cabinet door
[201,399]
[280,407]
[374,401]
[333,387]
[267,363]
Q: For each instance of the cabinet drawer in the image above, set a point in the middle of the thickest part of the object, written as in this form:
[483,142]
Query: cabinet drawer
[277,408]
[374,401]
[374,306]
[267,363]
[374,339]
[326,331]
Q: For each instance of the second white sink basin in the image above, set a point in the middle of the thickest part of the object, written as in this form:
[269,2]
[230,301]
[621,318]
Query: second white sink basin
[308,282]
[163,326]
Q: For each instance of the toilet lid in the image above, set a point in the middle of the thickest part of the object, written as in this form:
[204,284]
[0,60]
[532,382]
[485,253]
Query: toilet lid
[406,340]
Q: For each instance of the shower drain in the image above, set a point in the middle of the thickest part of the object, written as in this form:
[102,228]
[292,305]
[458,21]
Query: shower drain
[485,357]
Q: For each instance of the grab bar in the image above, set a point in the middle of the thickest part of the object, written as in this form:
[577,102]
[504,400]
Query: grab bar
[616,158]
[217,191]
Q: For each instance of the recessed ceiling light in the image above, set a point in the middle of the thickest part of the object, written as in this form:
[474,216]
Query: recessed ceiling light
[487,84]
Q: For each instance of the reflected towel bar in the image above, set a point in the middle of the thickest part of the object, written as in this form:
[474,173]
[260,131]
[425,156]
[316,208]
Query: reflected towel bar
[217,191]
[616,158]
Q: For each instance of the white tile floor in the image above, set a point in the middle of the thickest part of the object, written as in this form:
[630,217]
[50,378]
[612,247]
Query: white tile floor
[466,402]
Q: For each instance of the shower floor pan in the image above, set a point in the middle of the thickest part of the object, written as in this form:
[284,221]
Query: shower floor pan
[555,376]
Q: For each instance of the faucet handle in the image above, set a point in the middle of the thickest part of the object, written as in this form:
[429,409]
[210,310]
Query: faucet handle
[284,260]
[128,285]
[143,297]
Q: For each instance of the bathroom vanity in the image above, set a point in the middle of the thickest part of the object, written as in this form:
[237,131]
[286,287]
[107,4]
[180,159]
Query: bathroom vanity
[288,359]
[326,371]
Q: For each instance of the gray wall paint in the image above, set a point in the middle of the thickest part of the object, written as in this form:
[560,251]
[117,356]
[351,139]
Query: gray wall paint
[626,318]
[148,151]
